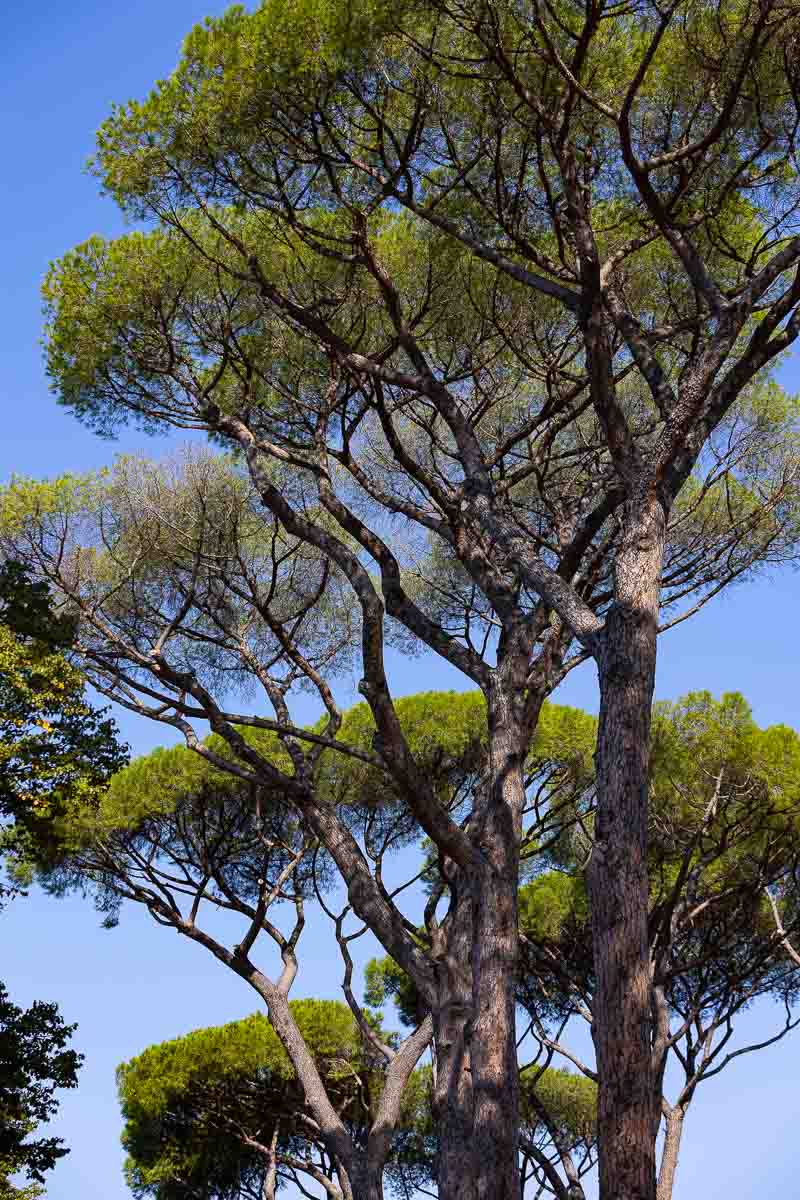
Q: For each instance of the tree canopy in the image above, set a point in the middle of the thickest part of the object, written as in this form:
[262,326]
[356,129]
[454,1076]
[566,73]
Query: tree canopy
[210,1110]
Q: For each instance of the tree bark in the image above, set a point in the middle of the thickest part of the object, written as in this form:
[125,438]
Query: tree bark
[495,948]
[367,1183]
[669,1155]
[617,873]
[453,1101]
[370,1171]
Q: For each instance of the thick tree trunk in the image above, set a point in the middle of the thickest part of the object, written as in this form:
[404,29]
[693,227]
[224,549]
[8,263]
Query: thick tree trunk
[453,1104]
[367,1182]
[617,874]
[495,950]
[669,1155]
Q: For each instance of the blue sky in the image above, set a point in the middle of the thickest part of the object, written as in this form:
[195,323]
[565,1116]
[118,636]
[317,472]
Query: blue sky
[61,66]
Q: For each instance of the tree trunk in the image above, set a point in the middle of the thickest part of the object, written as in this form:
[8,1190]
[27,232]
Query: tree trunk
[617,874]
[669,1155]
[367,1183]
[495,951]
[453,1104]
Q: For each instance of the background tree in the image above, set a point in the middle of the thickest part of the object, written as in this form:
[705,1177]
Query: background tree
[218,1113]
[173,833]
[55,749]
[34,1063]
[195,537]
[503,279]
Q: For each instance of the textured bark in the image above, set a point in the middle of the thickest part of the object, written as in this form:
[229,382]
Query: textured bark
[617,874]
[495,948]
[343,1179]
[368,1182]
[453,1102]
[379,1142]
[669,1155]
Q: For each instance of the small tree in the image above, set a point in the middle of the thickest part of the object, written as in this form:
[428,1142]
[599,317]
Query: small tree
[219,1112]
[493,282]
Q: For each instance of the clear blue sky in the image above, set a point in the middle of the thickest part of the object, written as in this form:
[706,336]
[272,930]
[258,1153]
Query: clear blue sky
[61,66]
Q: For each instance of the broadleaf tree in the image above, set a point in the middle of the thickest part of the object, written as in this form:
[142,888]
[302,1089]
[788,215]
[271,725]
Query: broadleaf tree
[55,750]
[34,1064]
[481,299]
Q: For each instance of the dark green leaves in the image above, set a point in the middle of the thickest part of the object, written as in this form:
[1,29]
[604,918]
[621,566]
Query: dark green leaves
[34,1064]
